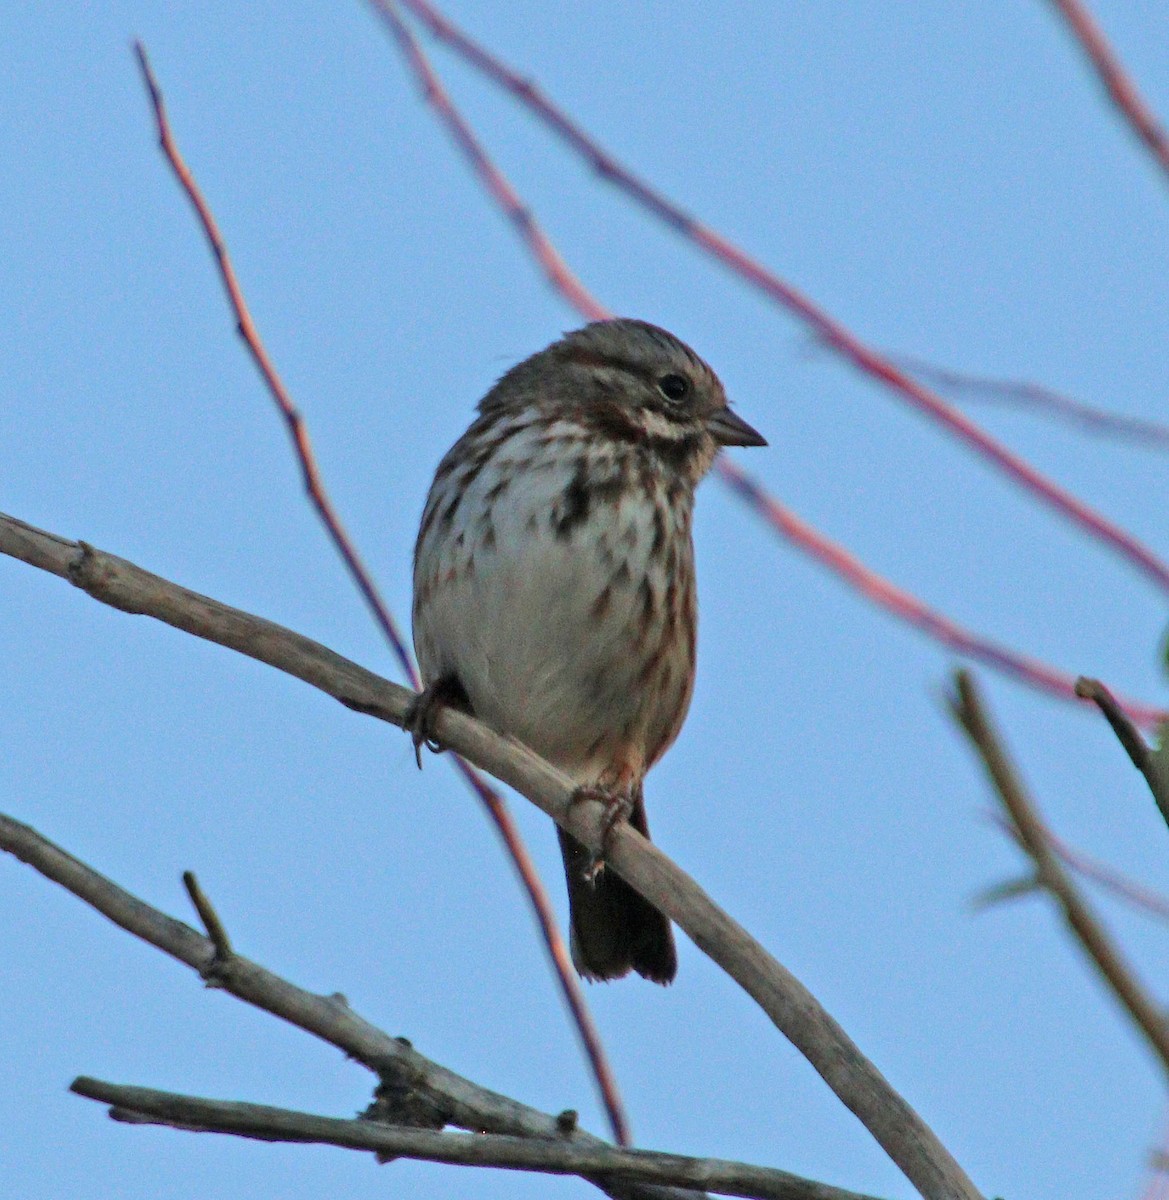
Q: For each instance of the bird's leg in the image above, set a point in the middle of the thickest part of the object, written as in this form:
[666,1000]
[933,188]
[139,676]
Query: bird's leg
[618,806]
[423,711]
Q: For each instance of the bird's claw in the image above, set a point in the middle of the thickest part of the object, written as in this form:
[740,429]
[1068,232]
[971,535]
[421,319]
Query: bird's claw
[618,807]
[422,712]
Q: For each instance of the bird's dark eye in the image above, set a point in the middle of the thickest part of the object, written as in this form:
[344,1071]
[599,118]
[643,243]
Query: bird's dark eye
[673,387]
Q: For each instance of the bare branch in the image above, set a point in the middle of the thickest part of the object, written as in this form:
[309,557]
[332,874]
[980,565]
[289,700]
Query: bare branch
[413,1088]
[550,1156]
[1130,738]
[821,324]
[1119,87]
[967,708]
[796,1013]
[497,810]
[246,327]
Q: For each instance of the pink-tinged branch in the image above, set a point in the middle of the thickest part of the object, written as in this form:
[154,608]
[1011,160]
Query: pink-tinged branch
[909,608]
[1120,88]
[821,324]
[1022,394]
[802,535]
[245,326]
[500,816]
[497,184]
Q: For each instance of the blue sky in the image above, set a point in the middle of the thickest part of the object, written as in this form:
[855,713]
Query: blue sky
[947,181]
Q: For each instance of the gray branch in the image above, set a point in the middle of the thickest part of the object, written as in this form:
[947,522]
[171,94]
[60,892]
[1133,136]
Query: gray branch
[904,1136]
[412,1086]
[1031,834]
[550,1156]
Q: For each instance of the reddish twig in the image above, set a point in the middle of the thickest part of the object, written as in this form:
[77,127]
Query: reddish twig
[497,184]
[1139,430]
[298,432]
[910,609]
[823,326]
[1120,88]
[246,328]
[802,535]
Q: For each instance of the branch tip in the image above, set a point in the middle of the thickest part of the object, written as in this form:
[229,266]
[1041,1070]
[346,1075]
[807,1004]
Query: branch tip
[210,918]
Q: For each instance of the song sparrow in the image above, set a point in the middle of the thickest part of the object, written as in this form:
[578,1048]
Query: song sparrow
[554,588]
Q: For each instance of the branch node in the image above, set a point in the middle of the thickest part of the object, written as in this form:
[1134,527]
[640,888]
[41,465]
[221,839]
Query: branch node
[566,1122]
[95,573]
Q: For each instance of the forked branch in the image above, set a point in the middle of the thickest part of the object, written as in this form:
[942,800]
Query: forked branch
[414,1090]
[796,1013]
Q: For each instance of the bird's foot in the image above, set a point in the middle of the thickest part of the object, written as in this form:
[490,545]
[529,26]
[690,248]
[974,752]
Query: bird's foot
[422,713]
[618,806]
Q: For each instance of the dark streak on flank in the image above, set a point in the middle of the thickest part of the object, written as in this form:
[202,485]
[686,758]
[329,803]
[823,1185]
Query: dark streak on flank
[647,605]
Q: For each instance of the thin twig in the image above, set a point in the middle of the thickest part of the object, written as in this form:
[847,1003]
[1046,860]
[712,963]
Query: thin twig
[798,532]
[293,419]
[497,184]
[967,708]
[550,1156]
[823,326]
[1117,84]
[1137,430]
[508,831]
[1130,738]
[794,1011]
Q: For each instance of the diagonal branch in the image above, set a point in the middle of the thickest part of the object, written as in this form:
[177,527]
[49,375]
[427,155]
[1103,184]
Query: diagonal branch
[250,335]
[497,810]
[967,708]
[549,1156]
[794,1011]
[1135,746]
[908,608]
[817,320]
[1120,88]
[900,603]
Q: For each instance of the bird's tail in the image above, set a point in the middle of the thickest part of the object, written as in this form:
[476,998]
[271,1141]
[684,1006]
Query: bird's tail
[614,928]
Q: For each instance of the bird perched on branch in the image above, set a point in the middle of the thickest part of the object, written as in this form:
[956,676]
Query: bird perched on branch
[554,592]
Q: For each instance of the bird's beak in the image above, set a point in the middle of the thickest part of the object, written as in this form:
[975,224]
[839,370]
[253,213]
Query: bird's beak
[729,429]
